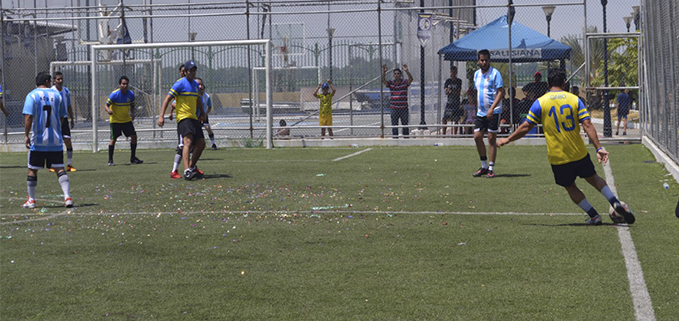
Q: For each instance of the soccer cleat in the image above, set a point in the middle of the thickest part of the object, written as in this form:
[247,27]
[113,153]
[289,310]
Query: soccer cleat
[30,203]
[68,202]
[214,146]
[70,168]
[490,174]
[189,174]
[622,209]
[175,174]
[198,171]
[136,161]
[595,220]
[110,163]
[52,170]
[482,171]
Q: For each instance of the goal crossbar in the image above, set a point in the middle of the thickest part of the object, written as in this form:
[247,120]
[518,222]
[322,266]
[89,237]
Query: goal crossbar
[258,42]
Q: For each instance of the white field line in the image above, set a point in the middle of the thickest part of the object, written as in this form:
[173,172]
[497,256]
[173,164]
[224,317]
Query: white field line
[643,307]
[351,155]
[71,212]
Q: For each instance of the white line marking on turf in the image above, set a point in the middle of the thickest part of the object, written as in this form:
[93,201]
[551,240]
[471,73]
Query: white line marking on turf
[309,212]
[643,307]
[351,155]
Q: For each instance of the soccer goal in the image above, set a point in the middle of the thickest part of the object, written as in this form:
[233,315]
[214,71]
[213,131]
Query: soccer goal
[155,69]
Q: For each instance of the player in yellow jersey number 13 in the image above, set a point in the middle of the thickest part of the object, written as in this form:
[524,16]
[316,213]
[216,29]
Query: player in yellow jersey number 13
[558,110]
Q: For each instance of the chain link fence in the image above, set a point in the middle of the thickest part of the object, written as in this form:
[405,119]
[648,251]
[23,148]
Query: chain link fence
[661,119]
[346,41]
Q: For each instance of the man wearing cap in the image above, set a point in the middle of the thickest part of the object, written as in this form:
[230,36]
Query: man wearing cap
[186,93]
[325,111]
[539,87]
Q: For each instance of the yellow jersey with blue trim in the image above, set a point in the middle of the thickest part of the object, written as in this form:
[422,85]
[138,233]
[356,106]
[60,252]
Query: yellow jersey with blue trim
[561,113]
[186,95]
[120,104]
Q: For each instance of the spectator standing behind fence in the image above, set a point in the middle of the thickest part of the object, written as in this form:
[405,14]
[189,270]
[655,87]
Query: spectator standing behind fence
[469,108]
[623,101]
[561,114]
[65,129]
[453,111]
[325,111]
[283,131]
[539,87]
[2,105]
[120,105]
[506,117]
[488,84]
[399,98]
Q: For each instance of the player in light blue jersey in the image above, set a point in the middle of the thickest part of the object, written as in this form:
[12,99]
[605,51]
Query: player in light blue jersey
[490,92]
[44,112]
[207,105]
[561,113]
[65,128]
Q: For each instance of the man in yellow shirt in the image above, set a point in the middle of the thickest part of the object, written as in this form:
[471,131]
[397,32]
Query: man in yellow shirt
[561,114]
[325,112]
[120,107]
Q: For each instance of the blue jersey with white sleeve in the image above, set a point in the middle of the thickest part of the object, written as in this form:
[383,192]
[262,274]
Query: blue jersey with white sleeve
[47,108]
[487,85]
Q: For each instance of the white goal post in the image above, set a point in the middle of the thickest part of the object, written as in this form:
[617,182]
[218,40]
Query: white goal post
[98,60]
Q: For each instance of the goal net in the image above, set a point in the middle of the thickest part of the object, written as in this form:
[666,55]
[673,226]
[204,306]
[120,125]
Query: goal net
[224,66]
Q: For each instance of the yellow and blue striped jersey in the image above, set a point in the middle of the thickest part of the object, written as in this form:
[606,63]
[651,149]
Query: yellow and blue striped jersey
[185,93]
[120,104]
[561,113]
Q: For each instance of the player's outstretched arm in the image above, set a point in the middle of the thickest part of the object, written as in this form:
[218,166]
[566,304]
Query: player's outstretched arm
[601,153]
[516,135]
[163,108]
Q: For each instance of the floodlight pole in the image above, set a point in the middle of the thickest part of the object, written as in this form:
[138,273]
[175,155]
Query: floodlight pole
[628,21]
[549,10]
[608,130]
[422,97]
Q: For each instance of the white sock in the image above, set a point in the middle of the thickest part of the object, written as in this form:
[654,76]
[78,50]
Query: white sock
[484,164]
[32,186]
[69,156]
[609,195]
[491,165]
[177,161]
[65,184]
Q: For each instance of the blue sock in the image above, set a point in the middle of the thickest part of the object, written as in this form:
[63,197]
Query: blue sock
[587,207]
[609,195]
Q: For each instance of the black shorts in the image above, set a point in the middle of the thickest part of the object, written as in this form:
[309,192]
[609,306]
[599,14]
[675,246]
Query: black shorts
[189,126]
[65,129]
[565,174]
[124,128]
[483,124]
[452,114]
[38,160]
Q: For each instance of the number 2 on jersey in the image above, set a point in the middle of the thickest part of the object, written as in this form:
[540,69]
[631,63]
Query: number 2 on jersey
[569,116]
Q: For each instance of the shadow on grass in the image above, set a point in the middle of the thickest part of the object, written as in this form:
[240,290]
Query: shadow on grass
[512,175]
[12,166]
[211,176]
[574,224]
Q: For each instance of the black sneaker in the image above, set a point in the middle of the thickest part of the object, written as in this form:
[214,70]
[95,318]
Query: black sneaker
[490,174]
[616,133]
[136,161]
[189,174]
[622,209]
[214,146]
[110,163]
[482,171]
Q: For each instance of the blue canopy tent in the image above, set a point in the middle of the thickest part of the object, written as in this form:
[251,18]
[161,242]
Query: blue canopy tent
[528,45]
